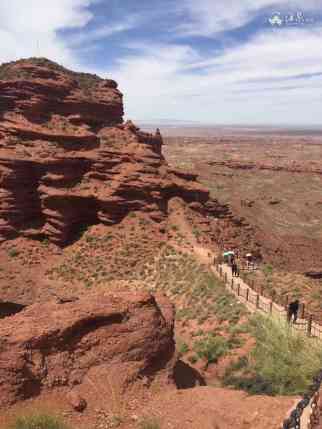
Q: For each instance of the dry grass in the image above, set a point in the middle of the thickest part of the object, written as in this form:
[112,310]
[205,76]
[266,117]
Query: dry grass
[283,361]
[39,421]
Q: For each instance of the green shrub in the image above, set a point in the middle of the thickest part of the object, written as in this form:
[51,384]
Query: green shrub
[182,347]
[193,359]
[90,239]
[184,313]
[235,342]
[243,328]
[268,270]
[45,242]
[13,253]
[283,361]
[211,348]
[149,423]
[116,421]
[196,232]
[198,333]
[226,308]
[41,421]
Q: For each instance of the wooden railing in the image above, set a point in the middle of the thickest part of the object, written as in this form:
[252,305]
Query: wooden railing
[307,413]
[256,301]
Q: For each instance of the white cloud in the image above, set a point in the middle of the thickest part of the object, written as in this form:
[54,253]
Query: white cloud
[262,81]
[29,28]
[209,17]
[103,32]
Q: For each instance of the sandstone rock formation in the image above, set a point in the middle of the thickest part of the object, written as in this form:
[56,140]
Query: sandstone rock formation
[67,160]
[81,344]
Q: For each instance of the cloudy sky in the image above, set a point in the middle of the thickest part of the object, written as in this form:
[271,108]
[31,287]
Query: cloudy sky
[211,61]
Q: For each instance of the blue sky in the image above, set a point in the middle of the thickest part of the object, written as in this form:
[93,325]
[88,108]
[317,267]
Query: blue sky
[210,61]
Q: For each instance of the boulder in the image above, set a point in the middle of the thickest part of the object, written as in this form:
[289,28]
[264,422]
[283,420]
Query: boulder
[101,340]
[76,401]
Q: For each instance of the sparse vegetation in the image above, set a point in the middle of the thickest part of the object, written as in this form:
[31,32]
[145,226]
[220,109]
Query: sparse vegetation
[45,242]
[283,361]
[268,270]
[196,232]
[41,421]
[86,81]
[182,347]
[199,296]
[193,359]
[211,348]
[13,253]
[149,423]
[115,421]
[198,333]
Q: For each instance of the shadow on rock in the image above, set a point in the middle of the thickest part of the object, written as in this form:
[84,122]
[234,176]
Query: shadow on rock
[187,377]
[9,309]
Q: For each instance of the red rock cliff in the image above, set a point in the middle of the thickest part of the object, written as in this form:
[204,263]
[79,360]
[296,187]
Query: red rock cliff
[67,160]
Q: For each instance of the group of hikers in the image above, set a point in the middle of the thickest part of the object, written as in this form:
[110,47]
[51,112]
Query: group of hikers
[231,258]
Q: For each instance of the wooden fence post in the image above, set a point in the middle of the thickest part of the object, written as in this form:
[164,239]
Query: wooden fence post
[262,290]
[257,301]
[247,294]
[309,325]
[271,307]
[302,311]
[286,302]
[238,289]
[232,284]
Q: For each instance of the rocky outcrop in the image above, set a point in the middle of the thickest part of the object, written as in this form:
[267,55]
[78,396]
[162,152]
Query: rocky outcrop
[77,345]
[67,160]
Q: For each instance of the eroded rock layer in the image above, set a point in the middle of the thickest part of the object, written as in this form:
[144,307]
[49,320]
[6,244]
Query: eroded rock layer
[67,160]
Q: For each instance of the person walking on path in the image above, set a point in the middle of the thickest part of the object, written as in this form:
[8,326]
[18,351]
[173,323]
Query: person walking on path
[234,269]
[293,309]
[237,270]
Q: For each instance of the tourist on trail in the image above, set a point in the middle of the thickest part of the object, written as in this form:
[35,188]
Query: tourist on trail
[232,260]
[293,309]
[234,269]
[237,270]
